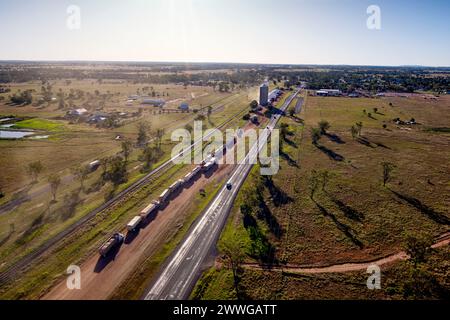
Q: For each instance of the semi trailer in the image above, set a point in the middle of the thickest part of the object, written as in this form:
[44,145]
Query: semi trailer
[151,208]
[116,240]
[134,223]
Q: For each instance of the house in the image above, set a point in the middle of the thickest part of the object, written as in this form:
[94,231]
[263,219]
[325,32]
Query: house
[332,92]
[77,112]
[322,93]
[98,117]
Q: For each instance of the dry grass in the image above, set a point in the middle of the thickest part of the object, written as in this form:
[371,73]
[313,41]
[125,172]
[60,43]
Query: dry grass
[355,218]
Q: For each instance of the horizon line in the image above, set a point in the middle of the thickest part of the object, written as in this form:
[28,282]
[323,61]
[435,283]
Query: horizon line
[217,62]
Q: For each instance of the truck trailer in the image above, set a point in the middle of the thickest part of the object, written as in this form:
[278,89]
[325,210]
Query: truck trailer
[115,240]
[164,196]
[209,164]
[134,223]
[147,211]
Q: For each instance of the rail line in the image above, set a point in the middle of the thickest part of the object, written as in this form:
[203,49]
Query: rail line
[11,271]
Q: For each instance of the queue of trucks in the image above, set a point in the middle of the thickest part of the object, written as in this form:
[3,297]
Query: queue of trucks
[117,239]
[209,162]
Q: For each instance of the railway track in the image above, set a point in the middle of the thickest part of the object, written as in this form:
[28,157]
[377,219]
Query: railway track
[11,272]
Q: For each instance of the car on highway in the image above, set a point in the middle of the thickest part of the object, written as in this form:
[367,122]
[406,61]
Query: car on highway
[229,186]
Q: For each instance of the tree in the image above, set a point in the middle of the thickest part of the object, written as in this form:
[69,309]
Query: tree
[34,169]
[325,176]
[387,170]
[81,174]
[149,156]
[254,104]
[291,111]
[418,248]
[104,163]
[54,181]
[118,170]
[354,132]
[127,147]
[284,130]
[233,248]
[359,126]
[246,209]
[209,111]
[324,126]
[159,135]
[313,183]
[375,110]
[143,128]
[315,135]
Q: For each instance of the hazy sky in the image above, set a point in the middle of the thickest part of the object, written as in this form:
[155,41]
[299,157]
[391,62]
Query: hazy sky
[414,32]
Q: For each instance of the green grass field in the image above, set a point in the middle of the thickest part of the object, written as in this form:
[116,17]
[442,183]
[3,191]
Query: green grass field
[39,124]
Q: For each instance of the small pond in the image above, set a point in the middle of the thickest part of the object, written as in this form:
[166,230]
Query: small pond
[14,134]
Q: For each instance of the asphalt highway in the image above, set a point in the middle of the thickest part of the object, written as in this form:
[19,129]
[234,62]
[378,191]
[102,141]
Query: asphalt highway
[183,268]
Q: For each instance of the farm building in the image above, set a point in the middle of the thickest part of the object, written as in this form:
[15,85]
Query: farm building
[184,106]
[77,112]
[154,102]
[328,92]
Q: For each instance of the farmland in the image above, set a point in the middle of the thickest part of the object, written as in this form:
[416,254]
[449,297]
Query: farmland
[29,216]
[350,217]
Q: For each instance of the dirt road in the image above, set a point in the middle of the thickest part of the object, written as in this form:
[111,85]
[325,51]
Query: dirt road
[100,277]
[444,240]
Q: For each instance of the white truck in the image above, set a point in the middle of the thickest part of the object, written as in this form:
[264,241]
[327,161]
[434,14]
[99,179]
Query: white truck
[209,164]
[147,211]
[134,223]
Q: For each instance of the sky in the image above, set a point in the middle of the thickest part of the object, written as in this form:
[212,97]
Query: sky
[414,32]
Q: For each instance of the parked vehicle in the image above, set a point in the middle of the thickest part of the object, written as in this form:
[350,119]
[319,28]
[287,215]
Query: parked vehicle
[116,240]
[176,185]
[164,196]
[196,170]
[209,164]
[134,223]
[94,165]
[188,177]
[151,208]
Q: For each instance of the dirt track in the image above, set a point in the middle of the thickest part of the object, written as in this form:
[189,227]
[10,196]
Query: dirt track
[347,267]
